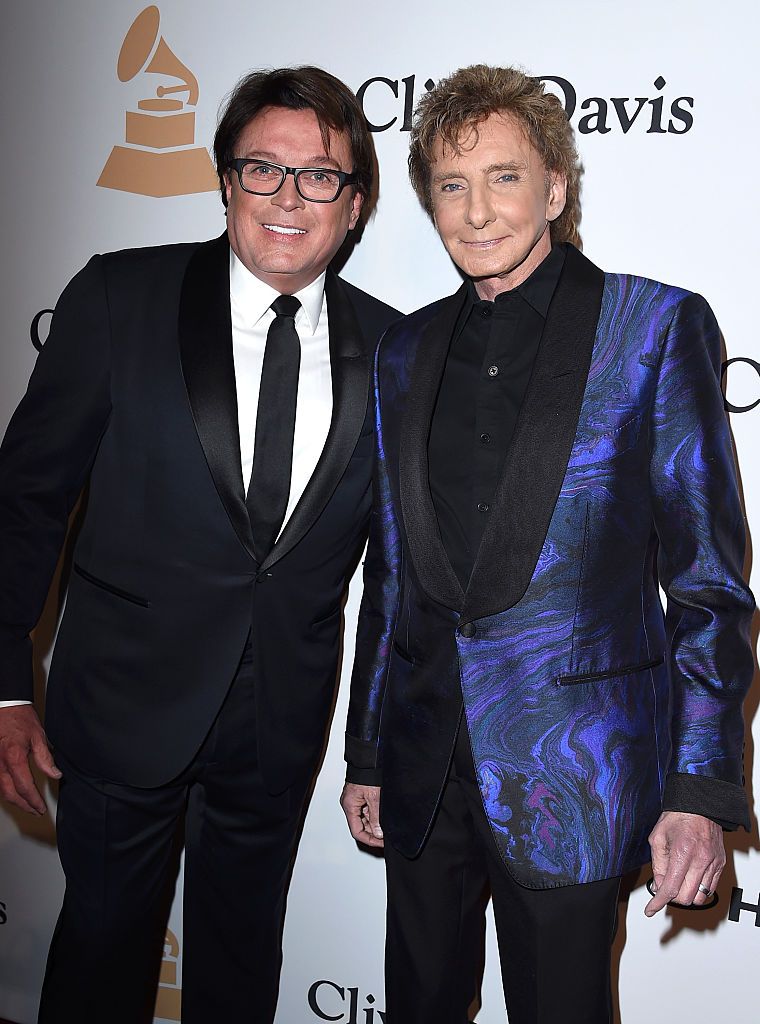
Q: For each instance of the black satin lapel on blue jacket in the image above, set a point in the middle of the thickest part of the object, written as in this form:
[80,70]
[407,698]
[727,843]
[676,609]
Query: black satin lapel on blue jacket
[351,369]
[537,459]
[431,563]
[205,340]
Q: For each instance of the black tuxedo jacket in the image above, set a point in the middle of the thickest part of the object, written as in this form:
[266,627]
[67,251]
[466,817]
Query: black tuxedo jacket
[135,392]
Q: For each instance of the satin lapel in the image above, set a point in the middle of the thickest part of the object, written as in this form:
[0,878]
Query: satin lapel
[205,340]
[431,563]
[350,366]
[537,459]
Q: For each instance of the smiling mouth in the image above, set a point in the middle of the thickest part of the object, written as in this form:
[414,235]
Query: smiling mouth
[487,244]
[279,229]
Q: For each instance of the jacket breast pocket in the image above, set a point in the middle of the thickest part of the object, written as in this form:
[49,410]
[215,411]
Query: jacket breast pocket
[612,673]
[110,588]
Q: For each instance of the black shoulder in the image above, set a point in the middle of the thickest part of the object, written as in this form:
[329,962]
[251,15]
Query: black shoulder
[153,259]
[373,315]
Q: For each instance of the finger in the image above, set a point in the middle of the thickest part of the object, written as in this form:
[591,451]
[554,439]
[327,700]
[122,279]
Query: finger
[668,888]
[43,757]
[367,839]
[716,875]
[373,814]
[710,880]
[655,904]
[24,785]
[9,795]
[689,892]
[369,834]
[353,819]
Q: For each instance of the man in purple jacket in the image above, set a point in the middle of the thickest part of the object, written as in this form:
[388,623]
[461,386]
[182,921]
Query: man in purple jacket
[552,446]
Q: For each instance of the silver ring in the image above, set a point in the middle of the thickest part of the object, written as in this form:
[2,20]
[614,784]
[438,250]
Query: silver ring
[703,888]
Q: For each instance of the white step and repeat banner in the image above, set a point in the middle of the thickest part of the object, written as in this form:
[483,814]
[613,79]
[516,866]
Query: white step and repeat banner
[662,95]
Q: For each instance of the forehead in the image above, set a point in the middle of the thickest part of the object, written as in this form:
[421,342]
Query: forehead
[292,137]
[500,138]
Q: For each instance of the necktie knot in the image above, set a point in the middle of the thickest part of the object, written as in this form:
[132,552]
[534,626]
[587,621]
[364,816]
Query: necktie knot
[286,305]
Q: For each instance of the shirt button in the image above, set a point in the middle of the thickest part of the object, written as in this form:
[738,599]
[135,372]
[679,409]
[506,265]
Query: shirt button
[467,630]
[485,438]
[493,371]
[485,312]
[483,506]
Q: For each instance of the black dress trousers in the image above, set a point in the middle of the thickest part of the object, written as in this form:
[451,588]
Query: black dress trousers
[554,944]
[119,851]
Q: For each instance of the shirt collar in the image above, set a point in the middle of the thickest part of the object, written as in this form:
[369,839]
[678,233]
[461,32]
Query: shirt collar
[538,289]
[251,297]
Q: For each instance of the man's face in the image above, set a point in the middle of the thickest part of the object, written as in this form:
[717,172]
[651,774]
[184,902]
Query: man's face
[283,239]
[491,204]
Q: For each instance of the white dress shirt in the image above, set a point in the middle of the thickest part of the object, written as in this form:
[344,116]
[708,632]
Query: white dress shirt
[250,302]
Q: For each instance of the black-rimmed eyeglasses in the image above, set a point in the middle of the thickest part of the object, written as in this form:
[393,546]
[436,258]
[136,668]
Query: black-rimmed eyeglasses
[315,184]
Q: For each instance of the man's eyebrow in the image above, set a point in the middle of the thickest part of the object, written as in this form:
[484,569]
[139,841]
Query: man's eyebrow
[320,160]
[444,175]
[509,165]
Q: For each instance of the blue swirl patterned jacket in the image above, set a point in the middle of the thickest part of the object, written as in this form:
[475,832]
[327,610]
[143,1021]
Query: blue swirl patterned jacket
[589,707]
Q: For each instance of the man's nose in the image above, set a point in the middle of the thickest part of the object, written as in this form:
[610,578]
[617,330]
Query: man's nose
[480,210]
[287,197]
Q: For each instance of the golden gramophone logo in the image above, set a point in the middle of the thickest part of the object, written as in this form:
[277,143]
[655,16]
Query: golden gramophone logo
[169,997]
[160,157]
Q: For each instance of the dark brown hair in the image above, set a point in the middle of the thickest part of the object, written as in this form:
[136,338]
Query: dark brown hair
[304,88]
[465,99]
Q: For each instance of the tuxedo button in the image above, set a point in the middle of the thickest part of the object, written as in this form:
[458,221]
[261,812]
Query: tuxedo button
[263,577]
[467,630]
[485,438]
[483,506]
[493,371]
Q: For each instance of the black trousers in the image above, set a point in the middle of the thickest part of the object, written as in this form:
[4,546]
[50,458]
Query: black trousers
[554,944]
[119,848]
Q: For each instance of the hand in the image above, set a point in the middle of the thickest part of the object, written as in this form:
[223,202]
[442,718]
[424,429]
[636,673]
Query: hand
[22,735]
[687,850]
[361,806]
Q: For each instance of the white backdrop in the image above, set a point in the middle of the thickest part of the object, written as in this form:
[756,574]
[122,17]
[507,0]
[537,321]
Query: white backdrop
[679,205]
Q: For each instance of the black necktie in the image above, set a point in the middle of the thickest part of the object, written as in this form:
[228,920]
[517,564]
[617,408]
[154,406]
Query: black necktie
[269,488]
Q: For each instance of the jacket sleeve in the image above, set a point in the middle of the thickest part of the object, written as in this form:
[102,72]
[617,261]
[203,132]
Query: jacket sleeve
[45,458]
[377,617]
[699,522]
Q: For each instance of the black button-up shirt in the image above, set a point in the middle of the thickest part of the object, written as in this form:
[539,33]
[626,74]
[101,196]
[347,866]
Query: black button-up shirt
[488,367]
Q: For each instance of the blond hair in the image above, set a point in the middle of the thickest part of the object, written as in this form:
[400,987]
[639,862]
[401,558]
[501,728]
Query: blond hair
[459,103]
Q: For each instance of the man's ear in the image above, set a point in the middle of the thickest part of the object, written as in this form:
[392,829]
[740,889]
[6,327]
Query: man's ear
[357,201]
[556,195]
[227,186]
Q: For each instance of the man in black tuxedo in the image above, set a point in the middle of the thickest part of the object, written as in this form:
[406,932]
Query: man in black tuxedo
[213,397]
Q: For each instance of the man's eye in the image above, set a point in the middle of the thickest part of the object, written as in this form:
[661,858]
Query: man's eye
[259,170]
[507,177]
[451,186]
[320,177]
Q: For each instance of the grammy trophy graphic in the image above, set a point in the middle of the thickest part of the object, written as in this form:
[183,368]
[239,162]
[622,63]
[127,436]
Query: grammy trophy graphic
[160,157]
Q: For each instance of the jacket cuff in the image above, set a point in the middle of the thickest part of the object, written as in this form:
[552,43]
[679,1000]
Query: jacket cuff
[17,676]
[722,802]
[360,753]
[364,776]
